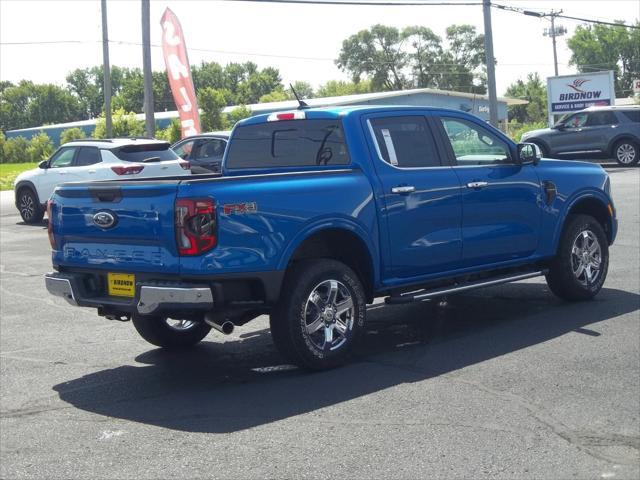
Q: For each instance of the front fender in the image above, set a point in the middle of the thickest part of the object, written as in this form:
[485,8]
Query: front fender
[584,194]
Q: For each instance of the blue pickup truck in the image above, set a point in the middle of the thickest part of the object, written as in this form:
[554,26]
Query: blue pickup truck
[320,211]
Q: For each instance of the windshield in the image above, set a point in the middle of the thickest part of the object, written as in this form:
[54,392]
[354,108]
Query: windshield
[292,143]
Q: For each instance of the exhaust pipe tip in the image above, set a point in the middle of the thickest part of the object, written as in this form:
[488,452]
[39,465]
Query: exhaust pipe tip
[225,327]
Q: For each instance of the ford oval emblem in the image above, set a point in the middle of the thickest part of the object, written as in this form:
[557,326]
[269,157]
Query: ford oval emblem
[104,219]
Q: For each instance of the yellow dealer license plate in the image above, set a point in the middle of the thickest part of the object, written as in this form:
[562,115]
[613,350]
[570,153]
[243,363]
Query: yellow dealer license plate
[121,284]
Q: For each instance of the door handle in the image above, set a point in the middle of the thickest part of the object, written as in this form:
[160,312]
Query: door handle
[403,189]
[477,184]
[92,171]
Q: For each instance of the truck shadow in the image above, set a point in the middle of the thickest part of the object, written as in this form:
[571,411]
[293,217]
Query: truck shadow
[237,384]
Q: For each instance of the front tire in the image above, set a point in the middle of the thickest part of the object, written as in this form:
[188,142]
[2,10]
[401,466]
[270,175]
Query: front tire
[169,334]
[320,315]
[29,206]
[626,153]
[580,267]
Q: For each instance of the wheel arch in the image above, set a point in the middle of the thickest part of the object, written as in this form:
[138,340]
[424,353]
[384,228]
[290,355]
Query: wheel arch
[618,138]
[593,204]
[342,241]
[26,184]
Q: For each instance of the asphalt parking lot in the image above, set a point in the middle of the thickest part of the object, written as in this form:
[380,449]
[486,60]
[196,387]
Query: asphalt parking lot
[508,382]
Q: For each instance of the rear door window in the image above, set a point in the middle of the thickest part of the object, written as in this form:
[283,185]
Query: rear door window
[289,143]
[405,142]
[597,119]
[88,156]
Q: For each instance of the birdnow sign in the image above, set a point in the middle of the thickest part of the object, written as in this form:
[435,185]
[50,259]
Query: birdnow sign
[572,93]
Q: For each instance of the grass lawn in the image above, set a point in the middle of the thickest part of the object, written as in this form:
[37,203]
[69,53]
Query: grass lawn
[9,172]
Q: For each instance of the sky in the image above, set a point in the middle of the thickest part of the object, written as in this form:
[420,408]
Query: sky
[302,41]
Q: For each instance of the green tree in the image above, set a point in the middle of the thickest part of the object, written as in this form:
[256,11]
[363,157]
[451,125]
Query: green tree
[29,105]
[535,92]
[212,102]
[377,54]
[70,134]
[172,133]
[604,47]
[394,59]
[3,140]
[338,88]
[124,125]
[278,95]
[237,114]
[15,150]
[87,85]
[40,147]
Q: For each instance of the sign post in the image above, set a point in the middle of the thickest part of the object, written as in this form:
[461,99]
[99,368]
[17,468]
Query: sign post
[572,93]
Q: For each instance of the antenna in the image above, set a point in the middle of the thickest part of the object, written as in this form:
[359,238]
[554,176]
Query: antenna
[301,103]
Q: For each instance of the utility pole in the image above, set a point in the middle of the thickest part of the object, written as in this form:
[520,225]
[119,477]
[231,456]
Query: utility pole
[491,63]
[149,120]
[554,32]
[553,36]
[106,87]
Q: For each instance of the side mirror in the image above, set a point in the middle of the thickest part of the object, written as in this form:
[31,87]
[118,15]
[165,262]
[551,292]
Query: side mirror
[44,164]
[559,126]
[528,154]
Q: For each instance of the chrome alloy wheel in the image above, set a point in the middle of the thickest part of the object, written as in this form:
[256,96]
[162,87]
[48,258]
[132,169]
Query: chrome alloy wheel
[586,257]
[180,325]
[27,206]
[626,153]
[329,315]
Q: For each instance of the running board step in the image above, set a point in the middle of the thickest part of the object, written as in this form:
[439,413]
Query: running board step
[460,287]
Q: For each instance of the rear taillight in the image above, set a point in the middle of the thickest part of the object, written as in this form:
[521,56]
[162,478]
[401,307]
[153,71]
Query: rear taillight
[130,170]
[185,165]
[196,225]
[52,238]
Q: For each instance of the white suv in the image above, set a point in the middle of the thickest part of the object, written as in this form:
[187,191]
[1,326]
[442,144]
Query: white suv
[88,160]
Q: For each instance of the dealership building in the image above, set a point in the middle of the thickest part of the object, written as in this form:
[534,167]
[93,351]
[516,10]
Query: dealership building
[466,102]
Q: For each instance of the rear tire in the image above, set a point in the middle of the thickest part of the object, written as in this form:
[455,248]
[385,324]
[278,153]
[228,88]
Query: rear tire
[320,315]
[580,267]
[626,152]
[159,331]
[29,206]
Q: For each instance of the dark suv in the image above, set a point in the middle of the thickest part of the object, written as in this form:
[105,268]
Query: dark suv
[203,151]
[595,132]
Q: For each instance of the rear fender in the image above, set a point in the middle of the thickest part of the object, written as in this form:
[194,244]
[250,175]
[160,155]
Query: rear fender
[333,223]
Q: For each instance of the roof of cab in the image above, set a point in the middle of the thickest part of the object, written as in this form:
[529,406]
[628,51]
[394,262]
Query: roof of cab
[343,111]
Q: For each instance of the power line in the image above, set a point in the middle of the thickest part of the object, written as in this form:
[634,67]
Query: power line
[402,3]
[533,13]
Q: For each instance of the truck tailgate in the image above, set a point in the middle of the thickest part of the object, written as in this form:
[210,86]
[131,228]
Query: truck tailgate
[140,238]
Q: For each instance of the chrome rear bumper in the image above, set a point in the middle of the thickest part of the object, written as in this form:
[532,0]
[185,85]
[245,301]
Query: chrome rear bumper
[152,298]
[60,287]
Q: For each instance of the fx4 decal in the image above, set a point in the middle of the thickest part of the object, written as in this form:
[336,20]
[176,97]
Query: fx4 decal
[239,208]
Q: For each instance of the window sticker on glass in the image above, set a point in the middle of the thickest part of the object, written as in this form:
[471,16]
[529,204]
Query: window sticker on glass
[388,141]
